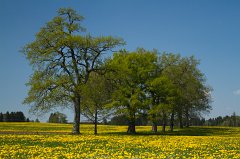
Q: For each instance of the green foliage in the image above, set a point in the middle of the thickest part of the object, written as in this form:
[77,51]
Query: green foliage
[192,95]
[12,117]
[57,117]
[130,73]
[161,84]
[95,95]
[68,68]
[233,121]
[62,61]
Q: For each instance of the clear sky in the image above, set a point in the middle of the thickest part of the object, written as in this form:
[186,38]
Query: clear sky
[209,30]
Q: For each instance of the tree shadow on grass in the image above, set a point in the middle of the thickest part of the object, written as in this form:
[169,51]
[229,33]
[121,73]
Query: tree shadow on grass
[191,131]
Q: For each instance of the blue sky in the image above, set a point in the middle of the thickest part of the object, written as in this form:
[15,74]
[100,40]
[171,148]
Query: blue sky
[209,30]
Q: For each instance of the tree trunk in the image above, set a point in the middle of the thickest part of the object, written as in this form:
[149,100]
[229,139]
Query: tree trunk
[154,123]
[180,120]
[172,122]
[154,127]
[164,127]
[164,123]
[76,122]
[187,118]
[131,128]
[96,121]
[132,120]
[131,124]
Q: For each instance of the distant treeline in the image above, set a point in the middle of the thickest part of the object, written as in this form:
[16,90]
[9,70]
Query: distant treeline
[13,117]
[231,121]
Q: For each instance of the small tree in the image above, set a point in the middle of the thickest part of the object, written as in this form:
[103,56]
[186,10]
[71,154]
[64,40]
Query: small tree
[27,120]
[57,117]
[95,95]
[37,120]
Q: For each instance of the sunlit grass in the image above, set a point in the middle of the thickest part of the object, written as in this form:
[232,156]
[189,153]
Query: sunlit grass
[113,142]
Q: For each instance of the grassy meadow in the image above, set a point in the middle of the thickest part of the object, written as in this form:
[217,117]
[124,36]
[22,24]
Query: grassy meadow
[44,140]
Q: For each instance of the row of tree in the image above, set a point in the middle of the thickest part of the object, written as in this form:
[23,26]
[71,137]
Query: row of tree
[71,71]
[233,120]
[12,117]
[164,88]
[229,121]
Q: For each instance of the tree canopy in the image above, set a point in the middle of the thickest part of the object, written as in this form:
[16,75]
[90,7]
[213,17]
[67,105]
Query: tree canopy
[71,71]
[62,60]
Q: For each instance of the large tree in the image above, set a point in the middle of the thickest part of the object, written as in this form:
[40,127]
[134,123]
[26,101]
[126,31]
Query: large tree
[62,60]
[130,73]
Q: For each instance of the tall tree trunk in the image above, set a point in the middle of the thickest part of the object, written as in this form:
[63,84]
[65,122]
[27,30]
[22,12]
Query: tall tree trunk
[180,120]
[172,121]
[164,127]
[154,127]
[131,128]
[76,122]
[95,121]
[187,118]
[131,124]
[164,122]
[154,124]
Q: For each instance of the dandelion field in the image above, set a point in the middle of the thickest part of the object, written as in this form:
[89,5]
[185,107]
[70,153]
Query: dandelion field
[43,140]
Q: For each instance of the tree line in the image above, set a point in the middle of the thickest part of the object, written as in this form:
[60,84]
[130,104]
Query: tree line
[71,69]
[228,120]
[13,117]
[232,121]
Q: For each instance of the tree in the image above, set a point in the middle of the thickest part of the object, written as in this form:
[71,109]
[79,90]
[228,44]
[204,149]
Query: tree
[193,95]
[37,120]
[19,117]
[52,118]
[167,67]
[130,72]
[162,94]
[27,120]
[95,95]
[62,60]
[57,117]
